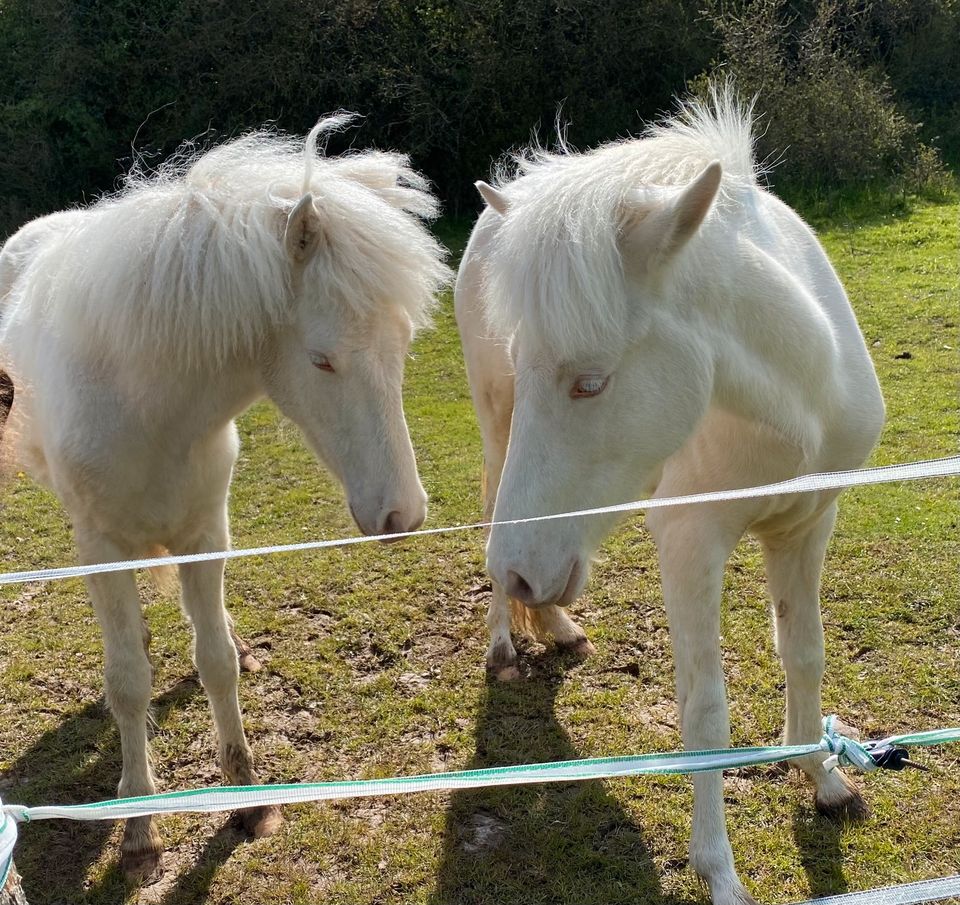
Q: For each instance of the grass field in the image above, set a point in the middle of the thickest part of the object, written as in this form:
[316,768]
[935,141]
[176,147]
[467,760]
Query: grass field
[374,666]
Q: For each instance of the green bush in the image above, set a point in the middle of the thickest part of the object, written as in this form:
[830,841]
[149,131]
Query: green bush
[826,114]
[825,103]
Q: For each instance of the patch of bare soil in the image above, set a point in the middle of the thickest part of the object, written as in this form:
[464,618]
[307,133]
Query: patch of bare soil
[482,832]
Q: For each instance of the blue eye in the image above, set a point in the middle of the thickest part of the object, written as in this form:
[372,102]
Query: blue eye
[587,385]
[319,360]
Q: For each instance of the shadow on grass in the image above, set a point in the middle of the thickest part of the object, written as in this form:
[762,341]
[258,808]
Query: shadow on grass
[870,205]
[76,763]
[192,886]
[818,843]
[562,844]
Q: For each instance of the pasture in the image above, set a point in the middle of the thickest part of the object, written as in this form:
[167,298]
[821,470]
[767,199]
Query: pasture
[373,666]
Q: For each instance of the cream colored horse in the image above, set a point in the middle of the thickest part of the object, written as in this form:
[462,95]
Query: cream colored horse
[646,318]
[135,330]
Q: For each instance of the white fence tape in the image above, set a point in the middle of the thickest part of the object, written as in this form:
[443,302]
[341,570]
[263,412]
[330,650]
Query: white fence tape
[231,798]
[836,480]
[905,894]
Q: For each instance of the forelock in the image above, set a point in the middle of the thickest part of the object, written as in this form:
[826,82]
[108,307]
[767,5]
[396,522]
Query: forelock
[554,264]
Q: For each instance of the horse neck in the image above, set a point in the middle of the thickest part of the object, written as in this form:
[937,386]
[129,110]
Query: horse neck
[774,350]
[196,401]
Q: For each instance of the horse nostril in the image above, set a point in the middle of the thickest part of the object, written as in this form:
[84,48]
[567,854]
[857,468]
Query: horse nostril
[519,588]
[393,524]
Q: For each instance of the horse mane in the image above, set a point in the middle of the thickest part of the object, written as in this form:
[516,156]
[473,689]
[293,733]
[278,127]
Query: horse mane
[555,261]
[186,265]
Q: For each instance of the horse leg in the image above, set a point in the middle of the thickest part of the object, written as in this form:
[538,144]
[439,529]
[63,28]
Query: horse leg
[692,550]
[495,429]
[501,654]
[793,575]
[127,680]
[506,613]
[215,656]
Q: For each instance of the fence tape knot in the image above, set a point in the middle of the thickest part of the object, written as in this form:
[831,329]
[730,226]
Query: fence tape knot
[8,839]
[844,749]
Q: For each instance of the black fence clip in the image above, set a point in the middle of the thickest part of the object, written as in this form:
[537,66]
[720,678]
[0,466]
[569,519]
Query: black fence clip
[892,758]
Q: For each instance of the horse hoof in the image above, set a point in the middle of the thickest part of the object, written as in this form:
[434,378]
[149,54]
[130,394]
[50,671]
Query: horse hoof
[249,663]
[502,662]
[141,867]
[504,670]
[849,807]
[260,822]
[141,851]
[580,647]
[509,673]
[728,892]
[733,895]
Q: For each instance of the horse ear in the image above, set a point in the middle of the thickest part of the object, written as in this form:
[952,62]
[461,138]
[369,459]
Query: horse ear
[690,209]
[653,233]
[494,198]
[303,231]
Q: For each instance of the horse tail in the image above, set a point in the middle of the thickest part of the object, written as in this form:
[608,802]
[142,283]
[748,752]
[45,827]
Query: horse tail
[528,622]
[163,578]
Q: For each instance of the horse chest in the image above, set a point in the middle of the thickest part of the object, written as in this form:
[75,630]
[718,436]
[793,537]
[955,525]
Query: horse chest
[142,493]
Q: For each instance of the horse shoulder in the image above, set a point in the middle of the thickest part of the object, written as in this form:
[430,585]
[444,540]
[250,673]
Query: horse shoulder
[858,413]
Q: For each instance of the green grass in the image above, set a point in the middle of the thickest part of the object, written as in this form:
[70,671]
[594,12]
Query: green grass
[374,666]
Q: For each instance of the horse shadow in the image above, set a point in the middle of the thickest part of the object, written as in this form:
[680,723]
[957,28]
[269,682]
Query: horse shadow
[77,762]
[556,844]
[818,842]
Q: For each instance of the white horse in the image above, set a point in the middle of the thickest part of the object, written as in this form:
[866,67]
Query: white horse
[645,318]
[137,329]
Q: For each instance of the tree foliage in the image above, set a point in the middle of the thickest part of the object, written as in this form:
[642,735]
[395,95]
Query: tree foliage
[86,83]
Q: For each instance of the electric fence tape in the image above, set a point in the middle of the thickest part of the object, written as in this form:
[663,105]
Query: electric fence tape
[837,480]
[228,798]
[903,894]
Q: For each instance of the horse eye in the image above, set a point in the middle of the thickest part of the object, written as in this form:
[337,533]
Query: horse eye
[587,385]
[321,361]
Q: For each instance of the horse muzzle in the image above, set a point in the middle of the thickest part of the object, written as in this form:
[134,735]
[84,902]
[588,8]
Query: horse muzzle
[390,519]
[534,593]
